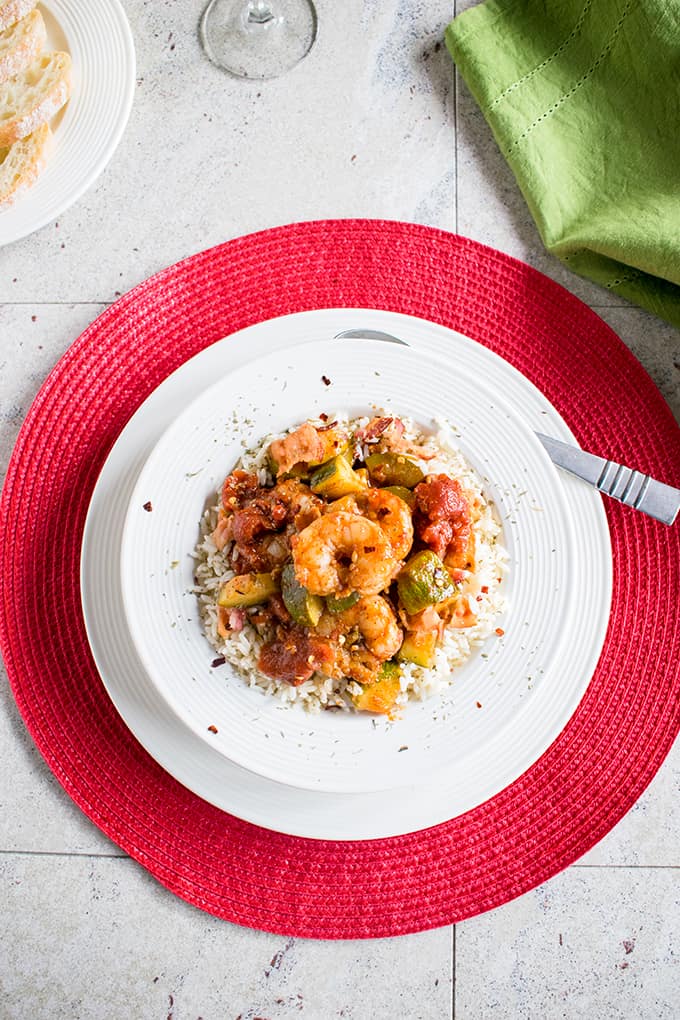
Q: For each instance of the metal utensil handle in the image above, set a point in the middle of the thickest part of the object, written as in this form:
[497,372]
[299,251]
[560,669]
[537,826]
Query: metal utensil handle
[369,334]
[639,491]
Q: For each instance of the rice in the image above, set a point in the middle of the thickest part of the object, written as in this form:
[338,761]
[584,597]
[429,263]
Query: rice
[241,648]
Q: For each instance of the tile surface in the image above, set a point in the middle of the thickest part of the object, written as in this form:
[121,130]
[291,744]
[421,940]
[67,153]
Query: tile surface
[590,943]
[102,955]
[375,123]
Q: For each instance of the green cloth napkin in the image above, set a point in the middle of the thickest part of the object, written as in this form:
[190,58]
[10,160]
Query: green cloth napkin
[583,98]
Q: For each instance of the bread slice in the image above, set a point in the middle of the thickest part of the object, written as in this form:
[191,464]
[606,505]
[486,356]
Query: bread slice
[33,97]
[12,11]
[22,162]
[21,44]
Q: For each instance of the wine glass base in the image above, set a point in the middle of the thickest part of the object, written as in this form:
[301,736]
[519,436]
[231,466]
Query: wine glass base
[258,39]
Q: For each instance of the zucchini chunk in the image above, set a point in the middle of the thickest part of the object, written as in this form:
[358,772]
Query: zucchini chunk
[418,647]
[338,605]
[403,493]
[246,590]
[335,479]
[393,469]
[380,697]
[304,607]
[424,581]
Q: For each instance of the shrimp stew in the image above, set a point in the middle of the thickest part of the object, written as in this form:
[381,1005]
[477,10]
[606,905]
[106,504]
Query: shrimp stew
[350,564]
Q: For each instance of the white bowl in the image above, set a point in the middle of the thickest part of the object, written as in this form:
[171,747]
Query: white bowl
[447,736]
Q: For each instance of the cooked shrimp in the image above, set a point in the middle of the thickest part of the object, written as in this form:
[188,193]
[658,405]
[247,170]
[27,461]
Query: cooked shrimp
[303,446]
[357,663]
[341,553]
[376,622]
[303,506]
[392,514]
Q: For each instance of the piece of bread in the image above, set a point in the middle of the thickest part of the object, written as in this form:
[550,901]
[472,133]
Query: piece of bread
[12,11]
[22,162]
[21,44]
[33,97]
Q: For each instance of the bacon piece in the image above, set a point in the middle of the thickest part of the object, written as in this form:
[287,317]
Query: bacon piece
[237,618]
[278,608]
[377,426]
[223,533]
[229,620]
[426,620]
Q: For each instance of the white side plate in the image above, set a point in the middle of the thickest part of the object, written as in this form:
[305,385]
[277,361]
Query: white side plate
[97,35]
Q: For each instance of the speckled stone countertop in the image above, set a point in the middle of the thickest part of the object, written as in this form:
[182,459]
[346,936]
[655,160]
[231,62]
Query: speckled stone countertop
[374,122]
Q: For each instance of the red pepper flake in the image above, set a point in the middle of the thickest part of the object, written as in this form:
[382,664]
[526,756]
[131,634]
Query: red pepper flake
[219,661]
[147,506]
[327,428]
[325,380]
[479,598]
[484,589]
[212,729]
[478,704]
[322,417]
[500,631]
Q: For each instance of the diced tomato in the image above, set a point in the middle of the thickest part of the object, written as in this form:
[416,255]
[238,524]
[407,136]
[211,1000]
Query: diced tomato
[438,536]
[440,497]
[442,519]
[255,519]
[295,657]
[238,488]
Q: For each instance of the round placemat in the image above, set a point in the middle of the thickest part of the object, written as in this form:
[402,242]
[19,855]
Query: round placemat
[565,803]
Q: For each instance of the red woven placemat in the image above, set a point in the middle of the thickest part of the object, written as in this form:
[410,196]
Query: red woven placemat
[557,810]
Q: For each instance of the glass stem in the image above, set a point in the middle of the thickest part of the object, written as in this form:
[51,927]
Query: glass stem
[259,12]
